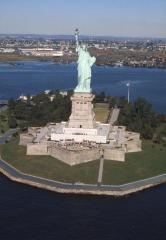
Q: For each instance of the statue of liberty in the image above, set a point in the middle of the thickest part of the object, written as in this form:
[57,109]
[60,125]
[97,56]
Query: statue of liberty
[85,62]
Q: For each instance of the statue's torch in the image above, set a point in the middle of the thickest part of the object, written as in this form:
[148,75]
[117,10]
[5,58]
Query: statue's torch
[76,36]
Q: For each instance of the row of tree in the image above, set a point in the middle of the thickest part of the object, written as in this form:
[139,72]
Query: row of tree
[39,110]
[138,116]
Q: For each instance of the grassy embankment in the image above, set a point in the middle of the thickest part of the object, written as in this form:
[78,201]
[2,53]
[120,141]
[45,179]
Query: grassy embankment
[101,112]
[150,162]
[16,57]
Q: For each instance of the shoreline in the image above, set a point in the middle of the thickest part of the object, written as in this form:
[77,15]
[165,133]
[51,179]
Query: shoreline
[66,62]
[68,188]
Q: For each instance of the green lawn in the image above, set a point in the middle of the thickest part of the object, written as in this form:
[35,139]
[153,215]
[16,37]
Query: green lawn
[15,57]
[150,162]
[101,113]
[46,166]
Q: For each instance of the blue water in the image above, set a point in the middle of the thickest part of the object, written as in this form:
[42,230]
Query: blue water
[28,213]
[32,77]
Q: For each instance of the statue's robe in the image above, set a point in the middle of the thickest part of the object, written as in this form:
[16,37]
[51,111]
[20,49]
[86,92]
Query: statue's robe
[85,62]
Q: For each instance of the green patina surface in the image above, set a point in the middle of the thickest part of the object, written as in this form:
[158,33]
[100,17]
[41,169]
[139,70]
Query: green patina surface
[150,162]
[85,62]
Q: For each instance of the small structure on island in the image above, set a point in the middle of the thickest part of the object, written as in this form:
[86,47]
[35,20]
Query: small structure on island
[81,138]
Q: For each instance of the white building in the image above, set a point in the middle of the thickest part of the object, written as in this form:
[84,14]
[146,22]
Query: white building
[42,52]
[7,50]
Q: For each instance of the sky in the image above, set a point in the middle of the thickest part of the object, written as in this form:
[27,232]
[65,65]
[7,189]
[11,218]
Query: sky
[129,18]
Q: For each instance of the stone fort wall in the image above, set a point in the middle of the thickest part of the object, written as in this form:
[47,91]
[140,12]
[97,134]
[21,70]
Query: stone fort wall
[75,157]
[114,154]
[72,157]
[37,149]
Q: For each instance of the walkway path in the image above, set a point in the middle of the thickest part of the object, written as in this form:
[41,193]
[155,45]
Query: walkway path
[3,105]
[114,116]
[101,165]
[7,135]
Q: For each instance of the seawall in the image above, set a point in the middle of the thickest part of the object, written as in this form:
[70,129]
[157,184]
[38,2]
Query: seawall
[78,188]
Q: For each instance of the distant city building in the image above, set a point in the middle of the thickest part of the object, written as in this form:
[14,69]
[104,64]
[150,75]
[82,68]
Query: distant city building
[24,97]
[63,93]
[43,52]
[47,92]
[7,50]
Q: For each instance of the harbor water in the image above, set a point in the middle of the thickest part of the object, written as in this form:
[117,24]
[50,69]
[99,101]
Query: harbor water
[31,77]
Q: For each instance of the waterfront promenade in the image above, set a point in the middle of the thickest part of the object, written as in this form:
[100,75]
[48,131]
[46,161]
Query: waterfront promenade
[79,188]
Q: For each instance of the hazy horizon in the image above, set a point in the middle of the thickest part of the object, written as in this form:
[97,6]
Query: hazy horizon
[82,35]
[120,18]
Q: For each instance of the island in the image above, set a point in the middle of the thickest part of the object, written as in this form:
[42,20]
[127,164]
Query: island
[84,139]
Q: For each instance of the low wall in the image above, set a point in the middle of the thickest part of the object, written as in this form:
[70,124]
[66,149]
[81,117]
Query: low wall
[37,149]
[134,146]
[67,156]
[114,154]
[112,190]
[25,139]
[74,157]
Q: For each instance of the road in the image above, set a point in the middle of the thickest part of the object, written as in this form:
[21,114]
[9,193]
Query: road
[7,135]
[3,108]
[3,105]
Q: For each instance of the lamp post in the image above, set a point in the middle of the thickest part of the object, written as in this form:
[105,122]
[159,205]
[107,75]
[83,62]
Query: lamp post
[76,36]
[128,92]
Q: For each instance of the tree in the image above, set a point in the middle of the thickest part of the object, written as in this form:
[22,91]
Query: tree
[23,125]
[139,117]
[11,104]
[160,135]
[12,122]
[100,97]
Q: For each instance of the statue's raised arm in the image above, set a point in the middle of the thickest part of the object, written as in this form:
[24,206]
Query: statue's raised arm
[77,40]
